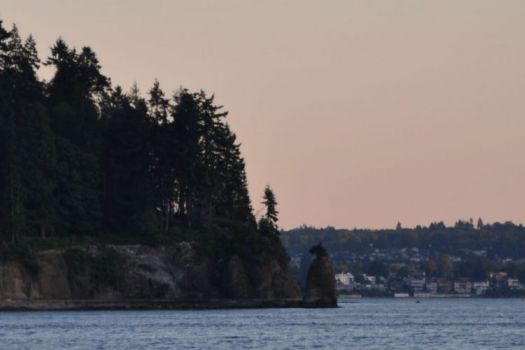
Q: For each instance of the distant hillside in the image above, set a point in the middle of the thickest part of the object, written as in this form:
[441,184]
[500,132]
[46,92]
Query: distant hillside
[497,240]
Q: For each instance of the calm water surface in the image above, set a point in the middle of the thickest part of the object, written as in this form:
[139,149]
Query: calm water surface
[366,323]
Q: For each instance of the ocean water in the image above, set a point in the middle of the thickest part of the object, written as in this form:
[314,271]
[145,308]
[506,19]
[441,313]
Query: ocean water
[360,324]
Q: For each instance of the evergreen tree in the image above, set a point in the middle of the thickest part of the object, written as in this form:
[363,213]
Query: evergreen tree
[270,231]
[28,141]
[268,223]
[164,156]
[78,157]
[4,36]
[480,224]
[188,166]
[128,199]
[7,139]
[73,91]
[270,204]
[158,104]
[224,190]
[37,144]
[11,217]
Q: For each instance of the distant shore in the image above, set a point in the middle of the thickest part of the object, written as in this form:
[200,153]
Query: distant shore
[343,297]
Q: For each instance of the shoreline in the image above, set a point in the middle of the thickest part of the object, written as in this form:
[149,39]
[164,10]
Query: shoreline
[441,296]
[151,304]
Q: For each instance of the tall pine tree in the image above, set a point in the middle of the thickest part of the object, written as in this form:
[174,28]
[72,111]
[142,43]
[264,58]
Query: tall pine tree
[73,93]
[28,145]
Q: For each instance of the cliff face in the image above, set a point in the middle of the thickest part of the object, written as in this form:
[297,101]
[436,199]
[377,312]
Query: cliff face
[264,279]
[141,272]
[320,282]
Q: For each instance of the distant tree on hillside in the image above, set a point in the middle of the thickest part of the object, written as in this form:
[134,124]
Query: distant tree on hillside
[480,224]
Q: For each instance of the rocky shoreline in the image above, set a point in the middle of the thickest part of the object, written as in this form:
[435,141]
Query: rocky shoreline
[141,278]
[161,304]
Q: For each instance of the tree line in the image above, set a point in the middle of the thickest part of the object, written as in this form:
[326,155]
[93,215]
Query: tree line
[81,157]
[497,239]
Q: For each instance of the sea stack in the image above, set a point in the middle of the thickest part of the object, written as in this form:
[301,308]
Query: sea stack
[320,282]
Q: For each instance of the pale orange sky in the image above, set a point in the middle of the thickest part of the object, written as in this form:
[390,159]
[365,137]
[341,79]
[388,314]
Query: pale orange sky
[357,113]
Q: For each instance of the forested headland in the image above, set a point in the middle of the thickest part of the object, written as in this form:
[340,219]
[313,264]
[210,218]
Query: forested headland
[82,160]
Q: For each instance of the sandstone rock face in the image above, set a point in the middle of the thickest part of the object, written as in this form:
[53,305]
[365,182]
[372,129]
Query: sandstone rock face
[235,282]
[51,281]
[165,272]
[135,272]
[15,283]
[320,283]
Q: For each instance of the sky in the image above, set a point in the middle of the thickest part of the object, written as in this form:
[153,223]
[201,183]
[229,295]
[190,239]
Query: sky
[357,113]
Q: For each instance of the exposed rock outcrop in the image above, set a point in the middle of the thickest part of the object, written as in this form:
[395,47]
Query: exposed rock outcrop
[15,282]
[51,281]
[165,273]
[320,282]
[235,282]
[273,282]
[175,275]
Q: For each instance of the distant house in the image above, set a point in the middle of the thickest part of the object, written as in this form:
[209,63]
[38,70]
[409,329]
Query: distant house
[513,283]
[380,286]
[431,286]
[480,288]
[370,279]
[344,279]
[444,286]
[499,279]
[416,284]
[482,252]
[463,287]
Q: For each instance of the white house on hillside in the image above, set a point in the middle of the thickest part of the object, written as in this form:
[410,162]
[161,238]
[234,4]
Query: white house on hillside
[344,278]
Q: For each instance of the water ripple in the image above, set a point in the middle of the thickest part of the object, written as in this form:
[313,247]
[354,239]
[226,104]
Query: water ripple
[366,324]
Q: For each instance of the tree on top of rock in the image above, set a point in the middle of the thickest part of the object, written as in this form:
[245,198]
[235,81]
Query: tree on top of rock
[318,250]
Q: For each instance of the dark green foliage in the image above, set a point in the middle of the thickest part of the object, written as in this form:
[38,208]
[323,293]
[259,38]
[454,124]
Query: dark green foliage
[268,223]
[208,168]
[80,158]
[27,151]
[21,253]
[105,268]
[77,262]
[128,197]
[270,242]
[318,250]
[75,120]
[498,239]
[437,243]
[270,204]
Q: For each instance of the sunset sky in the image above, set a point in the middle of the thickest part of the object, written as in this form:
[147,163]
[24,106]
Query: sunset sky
[357,113]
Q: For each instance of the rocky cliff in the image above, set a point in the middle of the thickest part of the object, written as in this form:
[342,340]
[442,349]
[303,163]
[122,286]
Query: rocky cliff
[135,272]
[320,282]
